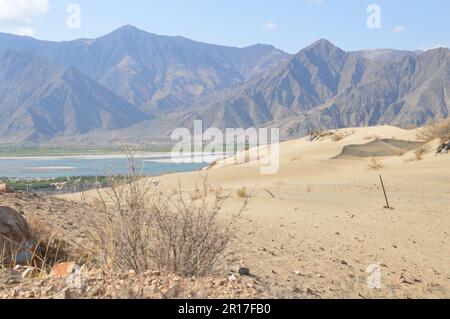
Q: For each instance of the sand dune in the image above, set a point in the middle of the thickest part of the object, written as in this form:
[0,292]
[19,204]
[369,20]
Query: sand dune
[323,222]
[378,148]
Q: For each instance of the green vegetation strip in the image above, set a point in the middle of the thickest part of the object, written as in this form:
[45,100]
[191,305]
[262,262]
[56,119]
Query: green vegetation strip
[48,184]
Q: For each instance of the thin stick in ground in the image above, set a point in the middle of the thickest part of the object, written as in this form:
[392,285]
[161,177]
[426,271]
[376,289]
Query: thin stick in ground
[385,194]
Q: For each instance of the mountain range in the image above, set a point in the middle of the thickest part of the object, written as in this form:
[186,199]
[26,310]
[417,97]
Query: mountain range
[131,81]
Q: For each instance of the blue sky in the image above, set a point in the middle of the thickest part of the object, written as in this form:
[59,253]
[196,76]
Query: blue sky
[288,24]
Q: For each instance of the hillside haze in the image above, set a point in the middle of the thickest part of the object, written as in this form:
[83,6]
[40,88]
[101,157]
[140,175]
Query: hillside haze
[41,100]
[325,87]
[130,80]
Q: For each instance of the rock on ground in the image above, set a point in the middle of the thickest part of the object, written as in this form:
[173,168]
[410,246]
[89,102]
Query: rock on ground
[16,240]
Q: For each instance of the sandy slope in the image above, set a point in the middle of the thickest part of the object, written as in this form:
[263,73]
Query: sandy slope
[327,224]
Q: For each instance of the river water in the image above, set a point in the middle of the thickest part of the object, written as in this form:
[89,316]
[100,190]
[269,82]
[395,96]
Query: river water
[53,167]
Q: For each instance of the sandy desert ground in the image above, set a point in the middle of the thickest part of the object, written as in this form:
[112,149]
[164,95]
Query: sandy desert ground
[314,228]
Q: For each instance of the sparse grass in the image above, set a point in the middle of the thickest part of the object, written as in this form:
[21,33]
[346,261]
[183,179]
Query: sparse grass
[334,136]
[45,251]
[296,158]
[319,134]
[143,228]
[195,196]
[338,136]
[419,152]
[371,137]
[374,164]
[243,193]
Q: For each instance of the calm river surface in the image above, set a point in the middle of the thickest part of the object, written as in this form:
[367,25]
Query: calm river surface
[52,167]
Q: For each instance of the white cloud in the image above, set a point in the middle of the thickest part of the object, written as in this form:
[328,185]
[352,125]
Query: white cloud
[399,29]
[16,16]
[271,26]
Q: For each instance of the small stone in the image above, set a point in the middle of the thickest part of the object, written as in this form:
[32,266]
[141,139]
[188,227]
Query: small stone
[63,270]
[173,292]
[232,278]
[244,271]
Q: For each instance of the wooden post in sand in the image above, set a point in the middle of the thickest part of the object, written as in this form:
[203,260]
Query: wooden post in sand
[385,195]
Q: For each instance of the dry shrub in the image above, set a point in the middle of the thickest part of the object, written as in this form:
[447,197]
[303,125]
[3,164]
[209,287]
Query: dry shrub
[189,237]
[296,158]
[318,135]
[142,228]
[374,164]
[308,188]
[419,152]
[336,137]
[439,130]
[401,153]
[243,193]
[195,196]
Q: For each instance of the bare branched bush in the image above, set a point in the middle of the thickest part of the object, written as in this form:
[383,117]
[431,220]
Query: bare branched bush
[190,238]
[141,227]
[439,130]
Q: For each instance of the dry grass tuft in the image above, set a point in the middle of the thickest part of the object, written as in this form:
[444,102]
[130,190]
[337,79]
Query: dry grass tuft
[46,251]
[419,152]
[371,137]
[320,135]
[338,136]
[374,164]
[243,193]
[195,196]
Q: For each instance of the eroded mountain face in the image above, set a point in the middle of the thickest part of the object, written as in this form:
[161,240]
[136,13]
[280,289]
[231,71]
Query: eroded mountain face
[124,79]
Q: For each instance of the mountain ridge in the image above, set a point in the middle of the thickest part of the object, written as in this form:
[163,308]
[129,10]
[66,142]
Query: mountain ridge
[155,71]
[130,76]
[41,100]
[325,87]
